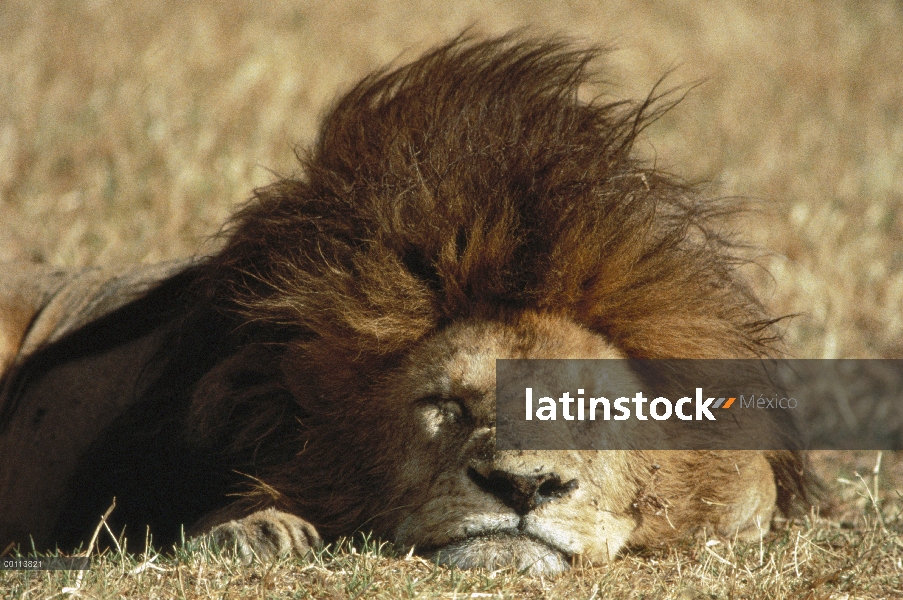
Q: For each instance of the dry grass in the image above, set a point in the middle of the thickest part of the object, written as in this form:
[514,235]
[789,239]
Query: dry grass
[129,131]
[813,558]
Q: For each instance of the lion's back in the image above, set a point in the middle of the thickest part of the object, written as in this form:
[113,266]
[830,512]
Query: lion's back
[74,349]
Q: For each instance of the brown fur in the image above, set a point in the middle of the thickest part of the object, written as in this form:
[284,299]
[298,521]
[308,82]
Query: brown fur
[468,199]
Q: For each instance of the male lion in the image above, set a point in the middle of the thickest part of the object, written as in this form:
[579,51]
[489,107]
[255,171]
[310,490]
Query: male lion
[332,369]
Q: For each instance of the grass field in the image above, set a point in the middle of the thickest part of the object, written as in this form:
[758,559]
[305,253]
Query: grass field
[130,131]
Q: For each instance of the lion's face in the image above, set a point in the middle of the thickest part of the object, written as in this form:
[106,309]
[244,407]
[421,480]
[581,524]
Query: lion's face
[421,443]
[470,505]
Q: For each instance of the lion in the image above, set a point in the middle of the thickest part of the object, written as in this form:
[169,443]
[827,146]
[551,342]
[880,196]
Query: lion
[332,368]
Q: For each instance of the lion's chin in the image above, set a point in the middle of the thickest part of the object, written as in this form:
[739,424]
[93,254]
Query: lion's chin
[500,551]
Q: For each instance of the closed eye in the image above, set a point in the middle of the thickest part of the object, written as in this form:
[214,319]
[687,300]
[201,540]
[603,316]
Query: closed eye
[449,408]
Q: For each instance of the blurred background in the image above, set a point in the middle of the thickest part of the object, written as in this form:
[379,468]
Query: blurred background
[130,131]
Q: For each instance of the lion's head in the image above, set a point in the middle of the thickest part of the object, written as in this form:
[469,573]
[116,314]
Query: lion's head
[340,350]
[464,208]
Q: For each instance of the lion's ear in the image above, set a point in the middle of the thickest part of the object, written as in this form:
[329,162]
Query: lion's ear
[242,403]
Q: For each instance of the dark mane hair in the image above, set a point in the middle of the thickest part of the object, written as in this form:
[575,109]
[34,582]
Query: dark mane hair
[475,180]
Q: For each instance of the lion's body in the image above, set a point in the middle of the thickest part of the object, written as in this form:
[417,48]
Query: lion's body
[85,365]
[338,354]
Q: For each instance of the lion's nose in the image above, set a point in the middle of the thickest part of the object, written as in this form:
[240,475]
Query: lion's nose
[523,493]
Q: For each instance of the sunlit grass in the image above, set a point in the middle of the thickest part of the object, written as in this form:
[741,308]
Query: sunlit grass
[811,557]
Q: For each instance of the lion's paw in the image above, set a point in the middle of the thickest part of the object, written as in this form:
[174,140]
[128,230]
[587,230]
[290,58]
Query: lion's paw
[265,535]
